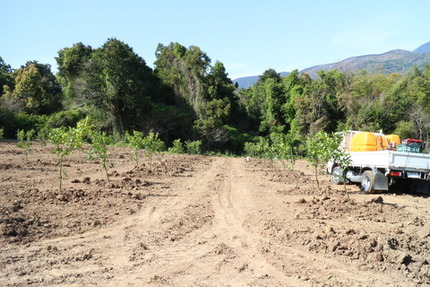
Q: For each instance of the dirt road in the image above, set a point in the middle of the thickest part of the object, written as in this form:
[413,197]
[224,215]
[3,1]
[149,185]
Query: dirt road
[202,221]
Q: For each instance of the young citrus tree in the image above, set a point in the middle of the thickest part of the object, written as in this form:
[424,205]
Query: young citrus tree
[283,148]
[320,149]
[152,145]
[64,141]
[100,142]
[193,147]
[177,147]
[136,143]
[83,130]
[24,141]
[341,159]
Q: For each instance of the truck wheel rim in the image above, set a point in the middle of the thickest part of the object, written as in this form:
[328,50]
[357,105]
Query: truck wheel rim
[337,175]
[366,183]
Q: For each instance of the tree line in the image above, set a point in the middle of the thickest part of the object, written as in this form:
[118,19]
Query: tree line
[186,97]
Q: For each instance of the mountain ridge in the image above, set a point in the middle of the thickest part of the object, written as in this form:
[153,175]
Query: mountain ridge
[394,61]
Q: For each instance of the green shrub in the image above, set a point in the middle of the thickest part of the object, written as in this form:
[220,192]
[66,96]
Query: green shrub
[136,143]
[260,148]
[100,142]
[24,141]
[12,122]
[68,118]
[64,141]
[321,147]
[152,145]
[193,147]
[177,147]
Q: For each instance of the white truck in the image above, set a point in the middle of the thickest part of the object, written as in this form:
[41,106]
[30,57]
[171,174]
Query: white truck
[383,168]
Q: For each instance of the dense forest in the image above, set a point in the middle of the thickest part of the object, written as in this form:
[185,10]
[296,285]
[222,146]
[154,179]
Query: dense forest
[187,97]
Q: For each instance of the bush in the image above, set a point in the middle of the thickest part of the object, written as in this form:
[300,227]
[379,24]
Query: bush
[12,122]
[260,148]
[135,142]
[193,147]
[177,147]
[25,143]
[152,144]
[68,118]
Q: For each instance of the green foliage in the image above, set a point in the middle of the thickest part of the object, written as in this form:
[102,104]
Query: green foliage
[284,148]
[6,77]
[152,144]
[193,147]
[261,148]
[36,89]
[64,141]
[136,143]
[1,134]
[71,65]
[118,82]
[339,156]
[184,71]
[67,118]
[42,136]
[24,141]
[177,147]
[99,149]
[187,98]
[12,122]
[320,148]
[405,129]
[278,146]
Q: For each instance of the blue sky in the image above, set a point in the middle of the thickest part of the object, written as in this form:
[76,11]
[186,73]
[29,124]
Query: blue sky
[248,37]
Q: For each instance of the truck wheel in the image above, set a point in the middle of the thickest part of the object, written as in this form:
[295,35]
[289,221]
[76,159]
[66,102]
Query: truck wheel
[368,182]
[337,175]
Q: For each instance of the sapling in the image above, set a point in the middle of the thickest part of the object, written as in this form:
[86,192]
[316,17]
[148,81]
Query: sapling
[24,141]
[260,148]
[135,142]
[340,157]
[177,147]
[282,149]
[42,136]
[152,145]
[82,130]
[64,141]
[99,149]
[193,147]
[319,149]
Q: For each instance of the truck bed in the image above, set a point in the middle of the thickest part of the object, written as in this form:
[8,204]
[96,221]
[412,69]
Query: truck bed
[393,160]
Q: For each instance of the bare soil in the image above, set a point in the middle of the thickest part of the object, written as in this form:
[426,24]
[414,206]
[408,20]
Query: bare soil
[186,220]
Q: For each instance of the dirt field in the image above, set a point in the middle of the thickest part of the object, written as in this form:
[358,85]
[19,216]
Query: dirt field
[201,221]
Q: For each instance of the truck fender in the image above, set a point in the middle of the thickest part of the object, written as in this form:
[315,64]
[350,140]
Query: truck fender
[381,181]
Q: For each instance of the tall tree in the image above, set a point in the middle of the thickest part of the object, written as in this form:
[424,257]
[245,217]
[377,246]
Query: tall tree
[71,65]
[36,88]
[184,70]
[6,77]
[118,82]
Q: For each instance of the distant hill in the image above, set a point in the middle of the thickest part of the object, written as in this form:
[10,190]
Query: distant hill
[395,61]
[425,48]
[246,82]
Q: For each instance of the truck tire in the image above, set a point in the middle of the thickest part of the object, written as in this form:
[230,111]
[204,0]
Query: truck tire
[368,182]
[337,175]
